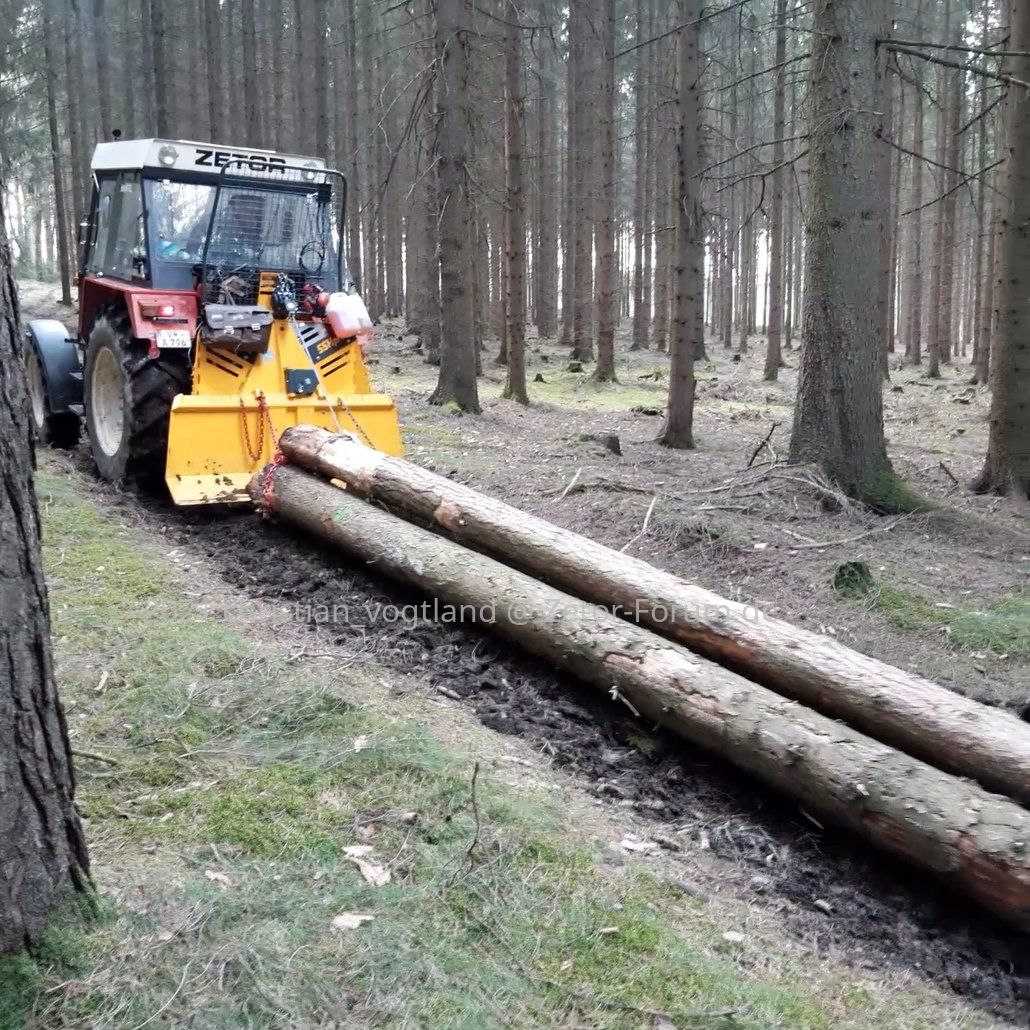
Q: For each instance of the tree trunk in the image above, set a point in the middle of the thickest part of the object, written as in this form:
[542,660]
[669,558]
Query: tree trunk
[678,431]
[773,349]
[515,215]
[457,381]
[162,47]
[838,418]
[50,60]
[1007,467]
[914,341]
[42,848]
[604,371]
[583,224]
[973,840]
[545,255]
[901,709]
[641,172]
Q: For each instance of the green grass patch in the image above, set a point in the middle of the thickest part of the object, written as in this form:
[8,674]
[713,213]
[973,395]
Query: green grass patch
[1002,627]
[217,844]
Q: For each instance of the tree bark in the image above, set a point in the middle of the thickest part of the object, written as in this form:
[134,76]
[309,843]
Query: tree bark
[688,323]
[604,370]
[1007,467]
[515,220]
[902,709]
[642,171]
[774,332]
[457,381]
[971,839]
[60,214]
[838,418]
[42,848]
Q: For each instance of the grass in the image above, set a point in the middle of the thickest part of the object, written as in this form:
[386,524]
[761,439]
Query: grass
[1002,627]
[217,837]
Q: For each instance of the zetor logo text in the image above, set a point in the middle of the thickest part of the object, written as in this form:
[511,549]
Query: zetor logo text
[255,162]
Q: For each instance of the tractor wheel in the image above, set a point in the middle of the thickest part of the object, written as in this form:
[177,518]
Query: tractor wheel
[55,430]
[128,397]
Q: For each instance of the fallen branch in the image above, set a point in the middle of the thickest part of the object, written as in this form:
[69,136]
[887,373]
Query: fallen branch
[764,443]
[643,529]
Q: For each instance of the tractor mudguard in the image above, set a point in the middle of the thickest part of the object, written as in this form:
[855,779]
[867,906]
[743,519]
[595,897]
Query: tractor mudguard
[59,359]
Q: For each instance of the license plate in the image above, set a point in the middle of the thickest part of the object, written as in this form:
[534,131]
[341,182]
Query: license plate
[173,338]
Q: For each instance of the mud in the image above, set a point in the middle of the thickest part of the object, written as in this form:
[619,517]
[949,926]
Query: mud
[831,890]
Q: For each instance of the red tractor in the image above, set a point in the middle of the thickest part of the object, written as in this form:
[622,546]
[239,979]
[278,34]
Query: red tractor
[215,310]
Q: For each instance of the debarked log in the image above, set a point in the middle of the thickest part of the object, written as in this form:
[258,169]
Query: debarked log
[974,840]
[922,718]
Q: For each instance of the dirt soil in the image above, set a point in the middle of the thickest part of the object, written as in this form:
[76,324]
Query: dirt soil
[755,535]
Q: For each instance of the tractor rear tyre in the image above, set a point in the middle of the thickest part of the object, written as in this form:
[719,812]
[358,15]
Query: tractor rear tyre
[128,398]
[60,429]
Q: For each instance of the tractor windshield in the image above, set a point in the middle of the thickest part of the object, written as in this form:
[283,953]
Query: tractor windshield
[253,229]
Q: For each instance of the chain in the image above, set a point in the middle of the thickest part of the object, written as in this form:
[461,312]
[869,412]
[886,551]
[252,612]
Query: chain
[255,453]
[264,420]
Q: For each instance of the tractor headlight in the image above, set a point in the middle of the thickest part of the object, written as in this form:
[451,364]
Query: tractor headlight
[168,155]
[309,171]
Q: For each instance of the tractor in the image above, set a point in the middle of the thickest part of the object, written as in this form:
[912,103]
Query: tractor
[215,310]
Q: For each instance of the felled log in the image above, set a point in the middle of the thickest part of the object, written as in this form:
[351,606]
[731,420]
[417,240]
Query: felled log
[906,711]
[974,840]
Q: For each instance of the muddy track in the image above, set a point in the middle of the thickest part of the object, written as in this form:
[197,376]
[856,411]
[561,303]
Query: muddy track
[881,912]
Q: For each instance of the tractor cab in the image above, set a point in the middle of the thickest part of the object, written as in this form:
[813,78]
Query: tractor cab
[215,309]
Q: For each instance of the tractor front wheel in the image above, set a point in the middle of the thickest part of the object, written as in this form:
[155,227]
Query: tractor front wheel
[128,398]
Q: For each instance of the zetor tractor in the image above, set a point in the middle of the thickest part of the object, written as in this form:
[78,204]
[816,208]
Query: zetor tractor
[215,310]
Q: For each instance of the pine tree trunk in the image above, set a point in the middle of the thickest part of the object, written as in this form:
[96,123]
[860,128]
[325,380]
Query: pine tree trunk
[1007,466]
[689,321]
[604,371]
[161,50]
[458,356]
[641,172]
[583,224]
[774,331]
[545,255]
[42,848]
[904,710]
[973,840]
[515,220]
[838,419]
[914,341]
[61,217]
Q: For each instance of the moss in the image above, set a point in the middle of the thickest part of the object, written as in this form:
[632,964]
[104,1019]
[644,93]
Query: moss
[888,494]
[1002,627]
[852,579]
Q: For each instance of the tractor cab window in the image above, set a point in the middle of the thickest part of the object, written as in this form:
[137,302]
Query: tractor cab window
[180,213]
[253,229]
[118,249]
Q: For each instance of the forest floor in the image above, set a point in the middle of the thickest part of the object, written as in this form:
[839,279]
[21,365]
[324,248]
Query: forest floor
[187,653]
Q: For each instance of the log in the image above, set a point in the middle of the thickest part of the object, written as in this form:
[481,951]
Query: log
[904,710]
[973,840]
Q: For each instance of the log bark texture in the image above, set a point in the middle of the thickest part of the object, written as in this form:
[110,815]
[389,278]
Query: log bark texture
[974,840]
[906,711]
